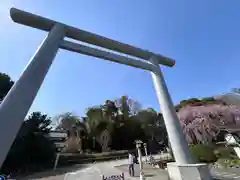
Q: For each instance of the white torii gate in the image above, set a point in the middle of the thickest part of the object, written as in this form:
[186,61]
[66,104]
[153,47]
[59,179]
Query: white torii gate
[19,99]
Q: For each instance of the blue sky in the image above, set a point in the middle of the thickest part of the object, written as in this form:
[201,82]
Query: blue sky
[202,36]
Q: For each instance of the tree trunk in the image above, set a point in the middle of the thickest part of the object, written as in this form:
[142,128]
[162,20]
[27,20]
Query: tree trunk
[80,145]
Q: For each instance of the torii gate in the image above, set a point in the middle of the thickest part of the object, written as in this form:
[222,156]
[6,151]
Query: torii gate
[19,99]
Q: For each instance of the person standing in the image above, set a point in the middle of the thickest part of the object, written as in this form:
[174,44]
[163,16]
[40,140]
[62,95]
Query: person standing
[131,164]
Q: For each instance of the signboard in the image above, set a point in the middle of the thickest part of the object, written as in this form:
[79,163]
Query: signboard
[113,177]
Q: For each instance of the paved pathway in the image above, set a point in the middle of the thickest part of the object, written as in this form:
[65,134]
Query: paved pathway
[85,172]
[149,172]
[59,174]
[116,167]
[226,174]
[95,171]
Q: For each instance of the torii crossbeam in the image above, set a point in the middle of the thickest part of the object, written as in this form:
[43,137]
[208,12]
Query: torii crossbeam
[19,99]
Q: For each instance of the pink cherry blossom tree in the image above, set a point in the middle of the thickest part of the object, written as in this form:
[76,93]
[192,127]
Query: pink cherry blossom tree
[203,123]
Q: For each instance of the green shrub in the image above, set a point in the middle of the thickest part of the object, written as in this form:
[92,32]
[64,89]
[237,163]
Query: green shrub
[225,152]
[209,100]
[225,162]
[235,162]
[96,155]
[76,158]
[204,153]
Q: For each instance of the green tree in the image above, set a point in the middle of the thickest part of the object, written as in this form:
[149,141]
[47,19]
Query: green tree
[98,119]
[197,102]
[94,116]
[148,118]
[125,135]
[162,131]
[154,128]
[5,85]
[31,150]
[110,111]
[37,123]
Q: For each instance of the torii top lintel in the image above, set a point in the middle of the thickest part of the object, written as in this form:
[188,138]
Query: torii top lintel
[45,24]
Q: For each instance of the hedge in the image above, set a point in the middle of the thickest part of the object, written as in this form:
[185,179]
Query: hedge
[225,162]
[103,154]
[204,153]
[225,152]
[72,158]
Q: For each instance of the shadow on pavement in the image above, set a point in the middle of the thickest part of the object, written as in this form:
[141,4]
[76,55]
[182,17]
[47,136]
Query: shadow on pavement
[147,169]
[146,175]
[57,173]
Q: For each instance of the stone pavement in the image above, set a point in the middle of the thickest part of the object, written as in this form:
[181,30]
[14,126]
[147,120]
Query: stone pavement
[85,171]
[59,174]
[226,174]
[96,170]
[149,172]
[116,168]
